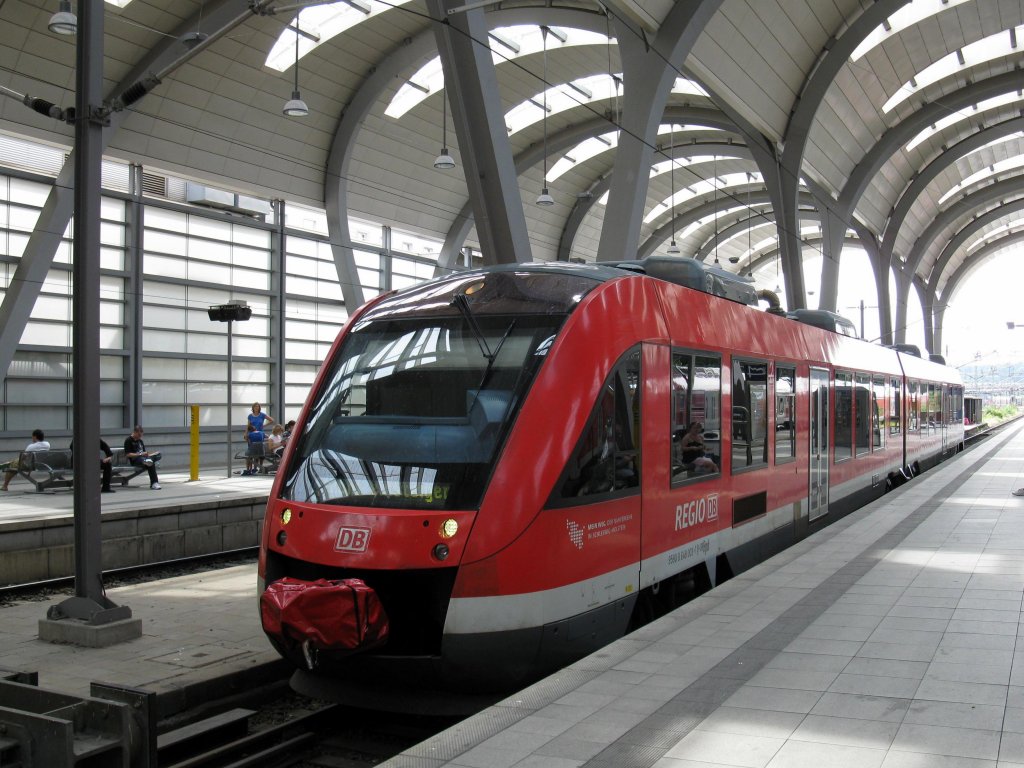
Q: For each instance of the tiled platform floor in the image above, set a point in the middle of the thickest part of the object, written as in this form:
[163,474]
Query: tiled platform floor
[893,638]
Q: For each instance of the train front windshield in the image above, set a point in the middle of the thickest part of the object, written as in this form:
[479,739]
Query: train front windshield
[418,401]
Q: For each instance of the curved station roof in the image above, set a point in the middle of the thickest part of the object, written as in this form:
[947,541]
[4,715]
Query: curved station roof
[752,133]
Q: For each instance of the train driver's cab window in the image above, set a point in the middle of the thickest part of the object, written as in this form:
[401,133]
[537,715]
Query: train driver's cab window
[785,413]
[606,460]
[749,414]
[844,416]
[862,412]
[696,416]
[878,413]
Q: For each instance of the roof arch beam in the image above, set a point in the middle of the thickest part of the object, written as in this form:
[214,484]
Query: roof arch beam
[832,59]
[687,217]
[971,228]
[649,70]
[925,177]
[975,260]
[559,142]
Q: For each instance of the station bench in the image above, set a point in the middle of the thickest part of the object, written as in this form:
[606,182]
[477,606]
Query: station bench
[271,460]
[53,469]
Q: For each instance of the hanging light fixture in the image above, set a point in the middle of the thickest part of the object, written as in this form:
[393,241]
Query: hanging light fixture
[444,161]
[673,249]
[295,106]
[545,198]
[64,21]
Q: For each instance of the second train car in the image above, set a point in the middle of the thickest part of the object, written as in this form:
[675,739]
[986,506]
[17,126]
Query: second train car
[498,455]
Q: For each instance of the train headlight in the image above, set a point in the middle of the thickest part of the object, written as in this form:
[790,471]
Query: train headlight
[286,517]
[449,528]
[441,551]
[282,537]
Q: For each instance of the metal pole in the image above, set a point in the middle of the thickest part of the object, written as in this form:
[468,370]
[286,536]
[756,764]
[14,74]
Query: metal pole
[230,380]
[90,602]
[862,318]
[86,310]
[193,461]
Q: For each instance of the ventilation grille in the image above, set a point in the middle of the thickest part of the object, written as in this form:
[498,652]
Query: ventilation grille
[154,185]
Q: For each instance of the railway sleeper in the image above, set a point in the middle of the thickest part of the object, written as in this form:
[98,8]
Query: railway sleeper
[202,735]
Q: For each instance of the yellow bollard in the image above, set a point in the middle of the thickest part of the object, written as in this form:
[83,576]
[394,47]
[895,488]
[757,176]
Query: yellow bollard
[194,446]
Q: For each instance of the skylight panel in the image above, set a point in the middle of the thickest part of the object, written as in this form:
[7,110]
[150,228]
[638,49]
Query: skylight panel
[694,226]
[984,50]
[907,16]
[992,235]
[665,166]
[582,152]
[560,98]
[506,43]
[323,22]
[703,187]
[1002,166]
[982,106]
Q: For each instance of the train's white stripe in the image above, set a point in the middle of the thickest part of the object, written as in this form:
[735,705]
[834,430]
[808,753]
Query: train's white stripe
[502,613]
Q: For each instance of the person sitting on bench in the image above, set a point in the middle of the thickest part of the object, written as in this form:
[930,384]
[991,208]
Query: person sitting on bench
[10,468]
[136,453]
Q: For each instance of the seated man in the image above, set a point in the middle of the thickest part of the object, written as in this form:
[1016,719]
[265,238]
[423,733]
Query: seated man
[38,443]
[106,465]
[136,453]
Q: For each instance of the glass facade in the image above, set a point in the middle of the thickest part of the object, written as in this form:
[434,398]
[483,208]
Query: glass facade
[163,264]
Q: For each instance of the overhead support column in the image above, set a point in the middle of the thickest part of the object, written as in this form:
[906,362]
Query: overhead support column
[648,75]
[831,60]
[880,267]
[834,235]
[471,87]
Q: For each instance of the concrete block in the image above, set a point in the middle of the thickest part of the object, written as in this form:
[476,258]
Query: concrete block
[202,541]
[27,565]
[163,546]
[61,561]
[239,535]
[158,524]
[235,514]
[119,529]
[121,553]
[78,632]
[19,540]
[197,518]
[59,536]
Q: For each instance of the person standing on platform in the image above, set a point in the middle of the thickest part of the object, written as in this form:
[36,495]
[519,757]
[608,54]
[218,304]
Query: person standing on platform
[137,455]
[258,419]
[38,443]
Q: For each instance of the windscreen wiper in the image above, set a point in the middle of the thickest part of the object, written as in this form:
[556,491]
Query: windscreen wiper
[461,303]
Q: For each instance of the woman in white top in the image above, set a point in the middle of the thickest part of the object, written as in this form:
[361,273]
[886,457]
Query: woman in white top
[11,467]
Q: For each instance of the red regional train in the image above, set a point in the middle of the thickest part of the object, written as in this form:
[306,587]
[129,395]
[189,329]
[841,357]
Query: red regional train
[501,457]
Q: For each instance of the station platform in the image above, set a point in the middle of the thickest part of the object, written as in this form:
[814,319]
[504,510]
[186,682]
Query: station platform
[198,631]
[185,518]
[891,639]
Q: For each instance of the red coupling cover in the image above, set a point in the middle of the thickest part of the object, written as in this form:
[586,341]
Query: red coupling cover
[334,615]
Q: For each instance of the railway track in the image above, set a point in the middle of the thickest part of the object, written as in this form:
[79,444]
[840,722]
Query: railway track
[288,730]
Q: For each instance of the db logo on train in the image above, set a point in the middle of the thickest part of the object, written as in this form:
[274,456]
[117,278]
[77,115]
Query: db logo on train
[352,540]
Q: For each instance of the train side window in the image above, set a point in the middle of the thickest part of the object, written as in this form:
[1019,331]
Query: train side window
[844,416]
[862,414]
[696,388]
[785,413]
[878,413]
[895,406]
[749,414]
[958,405]
[912,406]
[931,415]
[606,460]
